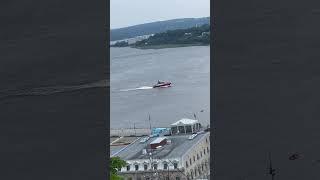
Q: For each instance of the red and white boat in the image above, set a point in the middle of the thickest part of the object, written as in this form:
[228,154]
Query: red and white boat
[162,84]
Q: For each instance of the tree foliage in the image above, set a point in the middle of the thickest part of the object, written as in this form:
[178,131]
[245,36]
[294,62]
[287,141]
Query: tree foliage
[120,44]
[116,163]
[194,35]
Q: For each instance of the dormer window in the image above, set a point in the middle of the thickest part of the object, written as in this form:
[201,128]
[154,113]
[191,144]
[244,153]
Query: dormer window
[128,167]
[155,166]
[175,165]
[165,166]
[136,167]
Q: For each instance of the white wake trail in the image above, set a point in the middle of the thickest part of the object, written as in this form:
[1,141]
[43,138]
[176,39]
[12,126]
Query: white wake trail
[138,88]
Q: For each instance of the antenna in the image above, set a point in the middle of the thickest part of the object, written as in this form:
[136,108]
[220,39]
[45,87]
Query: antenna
[150,123]
[272,171]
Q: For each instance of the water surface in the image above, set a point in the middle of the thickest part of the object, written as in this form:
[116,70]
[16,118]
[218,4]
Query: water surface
[134,71]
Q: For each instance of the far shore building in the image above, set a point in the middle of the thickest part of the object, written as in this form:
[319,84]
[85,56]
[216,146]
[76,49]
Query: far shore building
[182,155]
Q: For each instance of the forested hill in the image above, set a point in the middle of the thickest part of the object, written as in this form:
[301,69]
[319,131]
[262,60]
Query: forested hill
[156,27]
[191,36]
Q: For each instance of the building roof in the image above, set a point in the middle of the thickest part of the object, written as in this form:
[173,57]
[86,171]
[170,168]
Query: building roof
[158,140]
[179,145]
[185,121]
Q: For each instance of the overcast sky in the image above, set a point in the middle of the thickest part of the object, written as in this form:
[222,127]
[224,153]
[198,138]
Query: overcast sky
[125,13]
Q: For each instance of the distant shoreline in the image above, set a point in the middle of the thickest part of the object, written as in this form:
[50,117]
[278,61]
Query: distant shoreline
[168,46]
[164,46]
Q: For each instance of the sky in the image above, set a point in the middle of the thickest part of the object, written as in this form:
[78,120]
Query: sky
[124,13]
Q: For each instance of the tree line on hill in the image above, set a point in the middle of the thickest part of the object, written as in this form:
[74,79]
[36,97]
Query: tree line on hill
[192,36]
[156,27]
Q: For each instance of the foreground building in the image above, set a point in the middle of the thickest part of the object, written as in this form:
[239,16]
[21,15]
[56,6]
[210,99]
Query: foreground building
[182,155]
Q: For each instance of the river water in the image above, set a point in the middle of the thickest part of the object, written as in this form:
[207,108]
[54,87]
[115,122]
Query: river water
[134,71]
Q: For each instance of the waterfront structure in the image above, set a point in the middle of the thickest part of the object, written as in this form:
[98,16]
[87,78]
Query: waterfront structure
[181,155]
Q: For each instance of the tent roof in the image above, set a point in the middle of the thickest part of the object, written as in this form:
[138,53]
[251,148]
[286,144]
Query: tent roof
[185,121]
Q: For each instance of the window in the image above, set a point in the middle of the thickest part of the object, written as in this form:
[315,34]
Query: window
[147,178]
[201,153]
[136,167]
[187,164]
[191,175]
[145,167]
[177,178]
[204,151]
[181,129]
[174,130]
[206,140]
[128,168]
[155,166]
[207,149]
[198,157]
[188,129]
[190,162]
[165,166]
[194,158]
[195,172]
[175,165]
[202,167]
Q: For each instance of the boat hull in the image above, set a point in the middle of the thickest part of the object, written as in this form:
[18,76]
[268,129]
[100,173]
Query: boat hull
[164,85]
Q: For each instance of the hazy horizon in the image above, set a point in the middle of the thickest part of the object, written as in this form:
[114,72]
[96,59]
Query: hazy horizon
[125,13]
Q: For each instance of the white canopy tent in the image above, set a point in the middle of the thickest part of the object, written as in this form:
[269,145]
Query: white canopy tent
[185,126]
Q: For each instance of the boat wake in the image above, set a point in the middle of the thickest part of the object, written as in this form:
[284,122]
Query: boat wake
[42,91]
[138,88]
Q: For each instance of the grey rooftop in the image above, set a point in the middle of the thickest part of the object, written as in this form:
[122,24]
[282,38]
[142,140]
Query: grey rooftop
[179,145]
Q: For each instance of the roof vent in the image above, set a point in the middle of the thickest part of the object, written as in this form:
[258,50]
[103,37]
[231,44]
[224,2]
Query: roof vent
[145,139]
[192,136]
[144,151]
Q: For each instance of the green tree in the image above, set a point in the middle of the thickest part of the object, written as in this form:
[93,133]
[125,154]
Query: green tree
[116,163]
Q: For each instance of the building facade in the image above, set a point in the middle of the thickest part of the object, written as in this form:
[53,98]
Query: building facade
[181,156]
